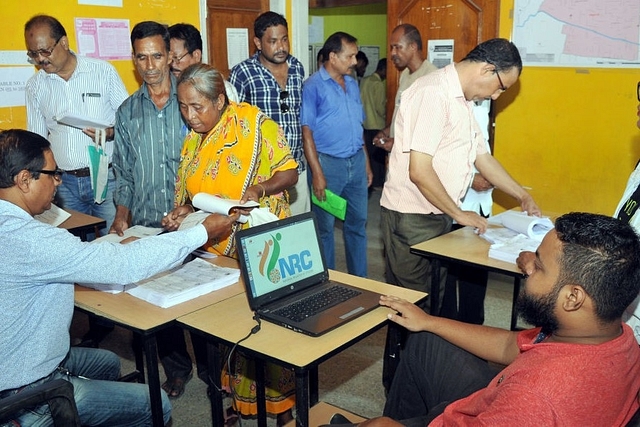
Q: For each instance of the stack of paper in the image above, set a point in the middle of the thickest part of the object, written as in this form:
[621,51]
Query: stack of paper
[184,283]
[519,232]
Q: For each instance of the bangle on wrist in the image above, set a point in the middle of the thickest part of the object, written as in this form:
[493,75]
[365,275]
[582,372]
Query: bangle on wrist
[264,191]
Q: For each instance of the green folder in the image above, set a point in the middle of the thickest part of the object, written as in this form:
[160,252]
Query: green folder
[334,204]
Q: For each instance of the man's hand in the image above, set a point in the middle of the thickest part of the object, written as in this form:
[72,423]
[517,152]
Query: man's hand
[318,185]
[91,133]
[219,225]
[173,219]
[119,225]
[381,140]
[409,315]
[472,219]
[529,206]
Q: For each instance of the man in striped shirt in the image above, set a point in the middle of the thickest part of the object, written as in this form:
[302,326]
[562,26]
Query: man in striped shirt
[67,83]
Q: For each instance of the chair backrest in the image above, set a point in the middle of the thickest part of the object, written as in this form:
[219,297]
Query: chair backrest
[58,394]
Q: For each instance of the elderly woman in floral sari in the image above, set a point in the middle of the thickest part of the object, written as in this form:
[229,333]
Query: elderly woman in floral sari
[234,151]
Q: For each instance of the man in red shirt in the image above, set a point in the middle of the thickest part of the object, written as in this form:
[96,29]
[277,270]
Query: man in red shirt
[580,365]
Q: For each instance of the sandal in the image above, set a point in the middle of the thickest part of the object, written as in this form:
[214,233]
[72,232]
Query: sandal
[175,387]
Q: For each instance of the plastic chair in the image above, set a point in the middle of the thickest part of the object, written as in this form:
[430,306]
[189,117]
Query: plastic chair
[58,394]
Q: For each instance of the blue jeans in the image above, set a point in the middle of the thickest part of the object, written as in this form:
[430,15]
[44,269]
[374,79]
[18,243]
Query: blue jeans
[346,178]
[76,193]
[101,400]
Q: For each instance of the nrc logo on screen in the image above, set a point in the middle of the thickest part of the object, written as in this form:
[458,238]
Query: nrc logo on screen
[276,267]
[295,263]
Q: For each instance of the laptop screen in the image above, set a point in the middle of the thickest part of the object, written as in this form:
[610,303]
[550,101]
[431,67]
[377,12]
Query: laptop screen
[283,255]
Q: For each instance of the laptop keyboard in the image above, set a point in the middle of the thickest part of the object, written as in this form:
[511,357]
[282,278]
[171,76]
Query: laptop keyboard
[316,303]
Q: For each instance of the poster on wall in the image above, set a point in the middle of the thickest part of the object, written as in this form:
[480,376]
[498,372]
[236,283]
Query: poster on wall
[13,81]
[440,52]
[106,39]
[237,46]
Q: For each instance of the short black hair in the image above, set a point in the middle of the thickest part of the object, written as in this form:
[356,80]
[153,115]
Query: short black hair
[145,29]
[188,34]
[411,34]
[601,254]
[382,64]
[266,20]
[334,43]
[361,56]
[57,31]
[20,150]
[500,53]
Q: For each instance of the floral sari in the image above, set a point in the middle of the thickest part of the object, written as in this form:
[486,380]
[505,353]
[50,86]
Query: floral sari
[244,148]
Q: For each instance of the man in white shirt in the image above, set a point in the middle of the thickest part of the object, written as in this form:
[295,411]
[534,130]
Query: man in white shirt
[70,84]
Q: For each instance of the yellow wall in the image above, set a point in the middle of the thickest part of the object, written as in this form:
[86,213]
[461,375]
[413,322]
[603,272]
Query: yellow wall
[363,22]
[569,134]
[16,13]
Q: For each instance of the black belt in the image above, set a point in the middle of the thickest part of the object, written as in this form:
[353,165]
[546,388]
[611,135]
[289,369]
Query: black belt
[80,173]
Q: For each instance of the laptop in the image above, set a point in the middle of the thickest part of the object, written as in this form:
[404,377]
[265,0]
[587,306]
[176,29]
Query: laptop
[283,267]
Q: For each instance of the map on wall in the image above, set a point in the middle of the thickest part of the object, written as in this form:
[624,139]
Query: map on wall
[578,33]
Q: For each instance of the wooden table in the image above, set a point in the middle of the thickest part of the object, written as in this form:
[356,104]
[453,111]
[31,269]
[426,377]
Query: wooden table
[80,224]
[465,247]
[146,320]
[231,320]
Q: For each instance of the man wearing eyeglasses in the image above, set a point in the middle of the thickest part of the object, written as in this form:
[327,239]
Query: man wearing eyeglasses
[272,80]
[437,143]
[41,263]
[70,84]
[186,45]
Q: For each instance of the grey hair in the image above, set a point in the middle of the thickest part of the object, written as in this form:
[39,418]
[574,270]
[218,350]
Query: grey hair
[206,80]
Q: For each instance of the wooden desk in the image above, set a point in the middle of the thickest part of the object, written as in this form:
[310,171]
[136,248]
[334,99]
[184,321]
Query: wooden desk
[146,319]
[464,246]
[79,224]
[231,320]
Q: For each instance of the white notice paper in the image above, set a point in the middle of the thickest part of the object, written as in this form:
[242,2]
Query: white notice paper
[13,81]
[237,46]
[53,216]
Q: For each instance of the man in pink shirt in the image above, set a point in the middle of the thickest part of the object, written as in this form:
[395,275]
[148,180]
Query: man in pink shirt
[579,366]
[437,142]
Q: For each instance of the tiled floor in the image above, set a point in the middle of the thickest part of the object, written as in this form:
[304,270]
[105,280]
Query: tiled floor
[352,379]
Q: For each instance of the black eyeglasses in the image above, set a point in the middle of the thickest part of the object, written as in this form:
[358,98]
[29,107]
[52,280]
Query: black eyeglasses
[638,91]
[179,58]
[56,174]
[495,70]
[283,106]
[33,54]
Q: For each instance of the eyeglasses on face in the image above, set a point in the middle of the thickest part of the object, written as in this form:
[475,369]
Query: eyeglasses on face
[56,174]
[283,106]
[33,54]
[497,73]
[179,58]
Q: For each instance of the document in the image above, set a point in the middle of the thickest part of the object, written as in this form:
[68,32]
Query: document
[82,122]
[519,222]
[183,283]
[510,250]
[334,204]
[138,231]
[215,204]
[54,216]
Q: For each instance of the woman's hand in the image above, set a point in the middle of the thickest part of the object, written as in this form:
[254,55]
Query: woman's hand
[254,193]
[173,219]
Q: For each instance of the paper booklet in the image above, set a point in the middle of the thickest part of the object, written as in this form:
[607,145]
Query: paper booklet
[518,232]
[183,283]
[82,122]
[53,216]
[215,204]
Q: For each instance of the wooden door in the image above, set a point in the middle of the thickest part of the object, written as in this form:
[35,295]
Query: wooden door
[467,22]
[223,14]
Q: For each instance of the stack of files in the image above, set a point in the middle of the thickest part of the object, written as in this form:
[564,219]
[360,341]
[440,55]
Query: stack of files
[516,232]
[183,283]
